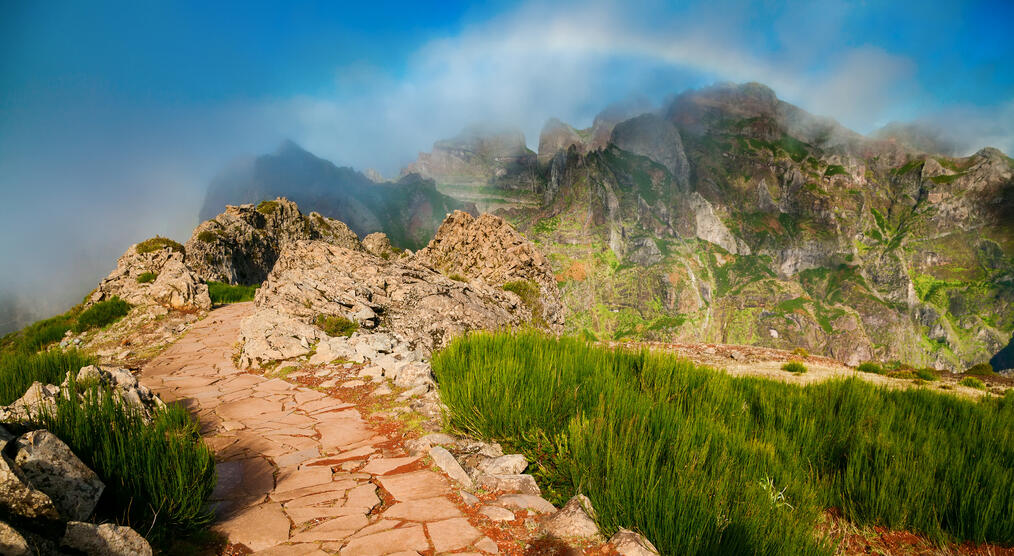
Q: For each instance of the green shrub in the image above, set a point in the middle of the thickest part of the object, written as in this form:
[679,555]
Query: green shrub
[907,374]
[705,463]
[207,236]
[801,352]
[18,370]
[158,242]
[336,325]
[794,367]
[101,314]
[972,382]
[529,293]
[457,277]
[835,170]
[146,277]
[980,369]
[927,373]
[158,475]
[267,207]
[221,293]
[870,367]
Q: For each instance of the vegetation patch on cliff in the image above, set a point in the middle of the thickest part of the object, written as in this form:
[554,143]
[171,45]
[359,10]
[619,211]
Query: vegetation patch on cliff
[608,422]
[158,242]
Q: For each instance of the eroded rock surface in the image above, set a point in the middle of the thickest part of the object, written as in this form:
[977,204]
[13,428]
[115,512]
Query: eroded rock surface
[491,250]
[158,277]
[241,245]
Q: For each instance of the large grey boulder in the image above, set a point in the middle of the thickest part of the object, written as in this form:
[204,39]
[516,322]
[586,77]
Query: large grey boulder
[446,462]
[629,543]
[18,497]
[51,467]
[575,519]
[105,540]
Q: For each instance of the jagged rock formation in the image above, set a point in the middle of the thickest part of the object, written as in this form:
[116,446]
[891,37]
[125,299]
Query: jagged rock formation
[241,245]
[408,210]
[159,277]
[489,249]
[789,231]
[400,305]
[378,244]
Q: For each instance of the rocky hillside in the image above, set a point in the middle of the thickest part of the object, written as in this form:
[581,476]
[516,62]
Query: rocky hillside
[408,210]
[732,216]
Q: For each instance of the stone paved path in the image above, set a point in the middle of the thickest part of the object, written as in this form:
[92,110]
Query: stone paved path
[298,471]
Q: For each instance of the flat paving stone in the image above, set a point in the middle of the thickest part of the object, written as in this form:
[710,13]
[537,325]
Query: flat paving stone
[427,509]
[258,527]
[388,542]
[414,485]
[452,534]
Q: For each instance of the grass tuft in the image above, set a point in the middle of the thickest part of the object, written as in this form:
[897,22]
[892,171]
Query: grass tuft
[705,463]
[146,277]
[18,370]
[870,367]
[101,314]
[972,382]
[794,367]
[267,207]
[529,293]
[207,236]
[333,325]
[221,293]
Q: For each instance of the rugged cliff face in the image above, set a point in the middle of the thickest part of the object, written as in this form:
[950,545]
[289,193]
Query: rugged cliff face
[733,216]
[408,210]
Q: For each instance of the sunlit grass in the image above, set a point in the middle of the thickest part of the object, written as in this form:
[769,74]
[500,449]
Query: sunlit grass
[683,453]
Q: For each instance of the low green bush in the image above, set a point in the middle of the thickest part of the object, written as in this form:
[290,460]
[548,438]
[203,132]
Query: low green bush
[927,373]
[207,236]
[221,293]
[101,314]
[336,325]
[146,277]
[158,242]
[794,367]
[705,463]
[458,278]
[870,367]
[980,369]
[158,475]
[801,352]
[18,370]
[267,207]
[972,382]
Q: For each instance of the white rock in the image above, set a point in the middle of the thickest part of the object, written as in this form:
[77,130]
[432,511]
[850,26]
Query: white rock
[446,462]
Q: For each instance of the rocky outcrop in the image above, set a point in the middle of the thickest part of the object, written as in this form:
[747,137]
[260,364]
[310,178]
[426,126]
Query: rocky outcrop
[154,277]
[653,137]
[378,244]
[241,245]
[702,222]
[576,519]
[121,382]
[105,540]
[557,136]
[418,306]
[492,251]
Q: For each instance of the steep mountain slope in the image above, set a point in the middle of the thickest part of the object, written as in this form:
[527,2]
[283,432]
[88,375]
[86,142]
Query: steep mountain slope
[781,229]
[408,211]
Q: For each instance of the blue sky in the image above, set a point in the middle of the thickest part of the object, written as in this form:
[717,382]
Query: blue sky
[114,116]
